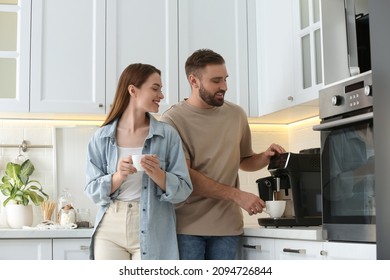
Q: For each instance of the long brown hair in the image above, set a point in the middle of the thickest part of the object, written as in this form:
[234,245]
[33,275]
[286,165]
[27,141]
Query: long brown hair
[135,74]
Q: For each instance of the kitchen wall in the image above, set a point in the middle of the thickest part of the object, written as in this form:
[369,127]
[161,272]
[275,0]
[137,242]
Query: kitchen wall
[293,137]
[36,132]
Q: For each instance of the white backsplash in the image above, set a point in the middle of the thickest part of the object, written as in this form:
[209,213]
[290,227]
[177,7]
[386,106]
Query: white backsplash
[35,132]
[293,137]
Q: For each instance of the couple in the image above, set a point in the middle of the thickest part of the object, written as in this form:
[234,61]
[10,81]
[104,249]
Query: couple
[186,204]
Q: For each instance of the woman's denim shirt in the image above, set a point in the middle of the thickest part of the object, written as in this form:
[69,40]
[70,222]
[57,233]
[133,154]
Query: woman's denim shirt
[157,215]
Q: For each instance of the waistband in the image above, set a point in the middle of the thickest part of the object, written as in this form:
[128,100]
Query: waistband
[118,205]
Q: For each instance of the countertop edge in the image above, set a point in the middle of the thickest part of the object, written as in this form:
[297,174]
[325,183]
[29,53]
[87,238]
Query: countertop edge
[297,233]
[7,233]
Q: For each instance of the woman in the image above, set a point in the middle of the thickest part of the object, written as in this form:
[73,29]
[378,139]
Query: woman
[136,218]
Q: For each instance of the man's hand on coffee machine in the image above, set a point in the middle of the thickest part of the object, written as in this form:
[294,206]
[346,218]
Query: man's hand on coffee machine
[249,202]
[261,160]
[274,149]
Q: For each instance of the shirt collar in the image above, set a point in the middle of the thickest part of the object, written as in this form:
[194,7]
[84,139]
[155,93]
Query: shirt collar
[156,128]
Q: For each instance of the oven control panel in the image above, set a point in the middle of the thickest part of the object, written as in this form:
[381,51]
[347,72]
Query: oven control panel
[348,95]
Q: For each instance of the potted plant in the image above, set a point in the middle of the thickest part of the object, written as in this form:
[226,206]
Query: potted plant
[20,190]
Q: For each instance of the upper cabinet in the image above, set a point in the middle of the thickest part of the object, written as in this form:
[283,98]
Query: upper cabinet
[278,53]
[220,25]
[300,46]
[321,46]
[143,32]
[307,40]
[68,56]
[14,55]
[271,52]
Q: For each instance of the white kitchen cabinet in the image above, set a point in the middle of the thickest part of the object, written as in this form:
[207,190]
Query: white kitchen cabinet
[220,25]
[25,249]
[264,248]
[289,249]
[44,249]
[271,52]
[143,32]
[68,56]
[349,251]
[254,248]
[283,69]
[71,249]
[14,56]
[298,47]
[321,55]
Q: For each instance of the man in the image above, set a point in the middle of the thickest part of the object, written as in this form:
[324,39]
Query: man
[217,142]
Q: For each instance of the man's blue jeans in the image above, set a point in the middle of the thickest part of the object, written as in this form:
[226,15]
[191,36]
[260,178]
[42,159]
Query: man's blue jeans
[193,247]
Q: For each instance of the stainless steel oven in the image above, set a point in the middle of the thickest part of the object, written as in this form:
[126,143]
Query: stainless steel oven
[347,159]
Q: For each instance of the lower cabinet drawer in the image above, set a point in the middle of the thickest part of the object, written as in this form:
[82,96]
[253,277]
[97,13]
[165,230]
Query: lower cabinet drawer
[25,249]
[71,249]
[254,248]
[298,249]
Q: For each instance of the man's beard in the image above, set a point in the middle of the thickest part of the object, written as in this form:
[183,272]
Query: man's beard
[210,98]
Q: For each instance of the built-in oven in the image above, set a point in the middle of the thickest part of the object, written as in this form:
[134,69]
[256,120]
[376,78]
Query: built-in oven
[347,159]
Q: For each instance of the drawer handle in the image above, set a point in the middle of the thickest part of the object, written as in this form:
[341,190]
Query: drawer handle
[255,247]
[323,253]
[84,247]
[295,251]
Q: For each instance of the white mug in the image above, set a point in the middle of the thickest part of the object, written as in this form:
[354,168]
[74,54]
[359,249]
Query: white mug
[137,162]
[275,208]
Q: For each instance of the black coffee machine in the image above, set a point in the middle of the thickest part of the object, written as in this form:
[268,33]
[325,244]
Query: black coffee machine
[295,178]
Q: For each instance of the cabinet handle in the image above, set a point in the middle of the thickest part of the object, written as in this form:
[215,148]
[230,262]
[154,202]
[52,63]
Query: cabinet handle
[323,253]
[290,98]
[101,105]
[255,247]
[295,251]
[84,247]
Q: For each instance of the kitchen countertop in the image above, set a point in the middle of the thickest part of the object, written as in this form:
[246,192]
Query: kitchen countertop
[9,233]
[300,233]
[303,233]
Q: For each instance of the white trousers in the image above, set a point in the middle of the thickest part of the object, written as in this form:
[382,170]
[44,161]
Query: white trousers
[117,237]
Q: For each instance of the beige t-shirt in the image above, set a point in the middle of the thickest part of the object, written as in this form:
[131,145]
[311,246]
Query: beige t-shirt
[214,141]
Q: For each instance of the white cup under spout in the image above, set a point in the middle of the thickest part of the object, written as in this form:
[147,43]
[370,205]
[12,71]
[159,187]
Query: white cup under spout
[275,208]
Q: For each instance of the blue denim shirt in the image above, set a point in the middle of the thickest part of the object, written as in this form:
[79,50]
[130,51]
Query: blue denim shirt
[157,215]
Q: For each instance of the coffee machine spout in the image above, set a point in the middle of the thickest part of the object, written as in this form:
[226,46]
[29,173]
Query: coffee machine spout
[277,181]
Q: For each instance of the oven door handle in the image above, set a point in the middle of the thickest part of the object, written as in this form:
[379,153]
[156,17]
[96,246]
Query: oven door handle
[340,122]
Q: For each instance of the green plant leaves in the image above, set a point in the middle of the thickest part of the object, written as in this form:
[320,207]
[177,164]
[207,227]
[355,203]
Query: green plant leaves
[17,186]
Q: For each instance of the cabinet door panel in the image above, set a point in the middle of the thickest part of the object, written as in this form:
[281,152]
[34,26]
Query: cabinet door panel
[143,32]
[71,249]
[272,52]
[349,251]
[25,249]
[68,56]
[220,25]
[297,249]
[15,57]
[254,248]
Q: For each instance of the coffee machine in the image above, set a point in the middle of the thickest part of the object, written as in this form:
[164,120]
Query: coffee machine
[296,178]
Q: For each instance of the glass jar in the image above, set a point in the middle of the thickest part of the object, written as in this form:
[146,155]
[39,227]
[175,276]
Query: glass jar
[82,218]
[66,212]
